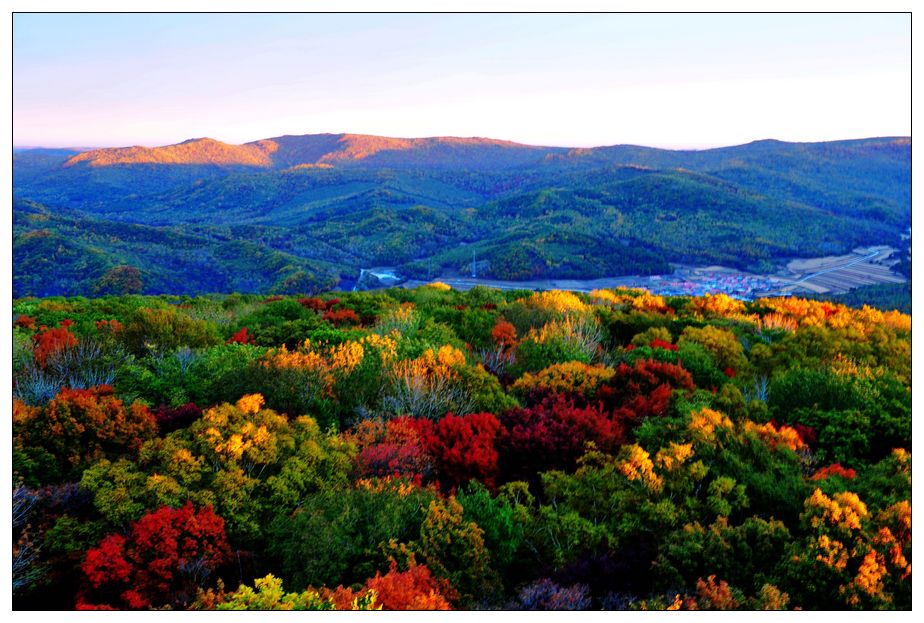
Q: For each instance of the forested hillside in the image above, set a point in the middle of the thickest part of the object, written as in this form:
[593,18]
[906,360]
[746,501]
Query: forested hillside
[436,449]
[306,213]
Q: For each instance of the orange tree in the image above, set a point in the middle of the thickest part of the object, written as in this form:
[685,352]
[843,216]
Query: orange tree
[78,427]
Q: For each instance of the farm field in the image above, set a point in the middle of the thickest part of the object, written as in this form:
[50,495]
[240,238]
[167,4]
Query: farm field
[838,274]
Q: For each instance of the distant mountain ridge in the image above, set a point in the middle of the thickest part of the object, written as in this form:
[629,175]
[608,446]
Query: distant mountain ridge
[293,150]
[299,213]
[287,151]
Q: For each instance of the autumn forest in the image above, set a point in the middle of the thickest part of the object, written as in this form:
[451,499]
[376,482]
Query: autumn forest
[436,449]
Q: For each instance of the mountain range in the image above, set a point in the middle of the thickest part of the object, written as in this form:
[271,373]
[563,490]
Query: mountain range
[306,213]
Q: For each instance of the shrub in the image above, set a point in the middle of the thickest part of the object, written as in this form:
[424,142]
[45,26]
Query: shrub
[572,377]
[338,536]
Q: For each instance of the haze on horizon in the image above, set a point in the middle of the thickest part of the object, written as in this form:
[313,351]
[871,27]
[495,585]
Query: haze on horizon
[674,81]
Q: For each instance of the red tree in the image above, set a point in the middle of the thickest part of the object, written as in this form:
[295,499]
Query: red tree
[835,469]
[340,317]
[391,449]
[643,390]
[24,321]
[241,337]
[50,341]
[170,419]
[656,343]
[463,448]
[552,435]
[313,303]
[504,334]
[167,554]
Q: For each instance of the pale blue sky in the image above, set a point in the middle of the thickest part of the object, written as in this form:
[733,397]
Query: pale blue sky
[574,80]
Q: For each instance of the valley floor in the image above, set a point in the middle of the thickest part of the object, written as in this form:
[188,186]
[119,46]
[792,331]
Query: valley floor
[822,275]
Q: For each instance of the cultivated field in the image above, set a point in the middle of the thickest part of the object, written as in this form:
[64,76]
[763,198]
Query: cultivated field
[838,274]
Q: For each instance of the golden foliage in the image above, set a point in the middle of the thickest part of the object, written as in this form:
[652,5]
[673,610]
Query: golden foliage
[673,456]
[889,543]
[386,345]
[722,344]
[676,604]
[771,598]
[559,301]
[389,484]
[269,594]
[347,356]
[443,363]
[789,311]
[870,574]
[637,299]
[636,465]
[703,424]
[775,437]
[844,511]
[332,362]
[250,403]
[304,358]
[605,296]
[232,431]
[832,553]
[899,516]
[842,365]
[648,302]
[716,305]
[571,376]
[903,457]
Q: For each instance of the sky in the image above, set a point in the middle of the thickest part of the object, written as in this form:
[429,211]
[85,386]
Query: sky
[676,81]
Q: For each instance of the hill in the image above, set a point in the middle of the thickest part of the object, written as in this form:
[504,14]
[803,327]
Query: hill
[288,151]
[335,203]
